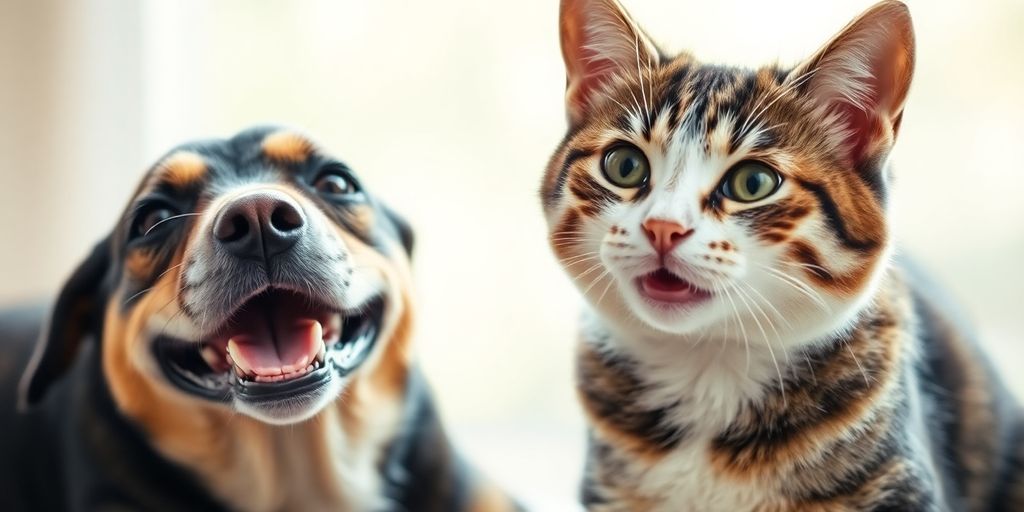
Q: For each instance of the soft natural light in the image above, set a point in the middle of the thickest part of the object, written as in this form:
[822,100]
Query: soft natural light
[449,110]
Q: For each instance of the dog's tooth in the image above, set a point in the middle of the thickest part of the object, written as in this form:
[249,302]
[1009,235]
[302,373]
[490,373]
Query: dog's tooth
[268,372]
[321,353]
[240,362]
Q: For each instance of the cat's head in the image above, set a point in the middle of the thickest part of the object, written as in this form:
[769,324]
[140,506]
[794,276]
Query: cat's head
[694,198]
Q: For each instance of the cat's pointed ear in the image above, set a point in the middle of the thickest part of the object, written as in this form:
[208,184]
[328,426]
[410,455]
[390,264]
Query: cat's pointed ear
[864,75]
[75,316]
[599,41]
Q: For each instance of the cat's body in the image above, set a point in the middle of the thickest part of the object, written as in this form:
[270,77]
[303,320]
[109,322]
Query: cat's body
[915,423]
[749,343]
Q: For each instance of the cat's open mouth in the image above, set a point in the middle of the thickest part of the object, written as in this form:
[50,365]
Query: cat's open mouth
[277,344]
[663,286]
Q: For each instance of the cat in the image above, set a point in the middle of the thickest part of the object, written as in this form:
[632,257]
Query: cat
[749,341]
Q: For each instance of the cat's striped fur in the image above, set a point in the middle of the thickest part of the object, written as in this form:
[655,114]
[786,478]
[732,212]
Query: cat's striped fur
[817,373]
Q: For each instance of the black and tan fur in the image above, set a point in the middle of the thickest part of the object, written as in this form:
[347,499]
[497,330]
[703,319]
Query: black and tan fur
[866,391]
[100,427]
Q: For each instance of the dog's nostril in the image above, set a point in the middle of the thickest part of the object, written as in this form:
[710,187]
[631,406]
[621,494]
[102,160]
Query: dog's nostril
[236,228]
[286,218]
[259,225]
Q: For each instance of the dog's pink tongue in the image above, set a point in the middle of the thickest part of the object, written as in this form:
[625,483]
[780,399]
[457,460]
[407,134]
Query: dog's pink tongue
[275,340]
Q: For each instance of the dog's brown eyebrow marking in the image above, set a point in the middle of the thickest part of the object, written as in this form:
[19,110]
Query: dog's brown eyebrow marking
[182,169]
[287,146]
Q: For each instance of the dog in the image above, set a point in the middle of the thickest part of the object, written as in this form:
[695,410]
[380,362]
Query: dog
[240,341]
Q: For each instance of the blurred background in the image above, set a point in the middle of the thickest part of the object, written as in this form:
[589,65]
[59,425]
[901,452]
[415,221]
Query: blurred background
[449,110]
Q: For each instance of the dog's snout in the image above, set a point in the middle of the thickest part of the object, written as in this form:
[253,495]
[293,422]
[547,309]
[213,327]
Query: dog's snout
[259,225]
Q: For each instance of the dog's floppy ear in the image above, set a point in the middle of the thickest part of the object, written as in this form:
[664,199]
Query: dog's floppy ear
[402,228]
[76,314]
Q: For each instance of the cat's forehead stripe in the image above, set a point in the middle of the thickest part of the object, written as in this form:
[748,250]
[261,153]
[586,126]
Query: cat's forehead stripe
[674,93]
[695,99]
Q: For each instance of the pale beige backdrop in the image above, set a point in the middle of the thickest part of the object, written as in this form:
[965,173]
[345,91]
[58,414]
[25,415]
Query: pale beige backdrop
[449,110]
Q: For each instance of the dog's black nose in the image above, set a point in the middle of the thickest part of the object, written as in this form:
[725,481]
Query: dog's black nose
[259,225]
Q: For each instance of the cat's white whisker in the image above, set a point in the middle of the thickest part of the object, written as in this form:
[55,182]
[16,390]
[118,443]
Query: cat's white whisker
[639,109]
[810,367]
[569,258]
[589,270]
[768,343]
[606,288]
[571,243]
[569,235]
[799,286]
[752,119]
[807,265]
[581,240]
[771,306]
[628,112]
[867,381]
[739,322]
[576,260]
[603,274]
[771,324]
[640,76]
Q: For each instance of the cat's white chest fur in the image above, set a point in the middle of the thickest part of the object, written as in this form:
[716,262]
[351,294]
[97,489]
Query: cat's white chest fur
[709,382]
[684,481]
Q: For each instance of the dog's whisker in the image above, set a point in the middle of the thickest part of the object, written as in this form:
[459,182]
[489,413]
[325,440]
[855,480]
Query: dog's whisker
[173,217]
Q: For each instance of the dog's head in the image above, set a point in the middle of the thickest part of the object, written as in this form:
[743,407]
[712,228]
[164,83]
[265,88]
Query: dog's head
[255,273]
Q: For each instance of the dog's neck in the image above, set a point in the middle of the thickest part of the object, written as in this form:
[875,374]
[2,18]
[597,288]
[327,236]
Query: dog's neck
[326,463]
[126,469]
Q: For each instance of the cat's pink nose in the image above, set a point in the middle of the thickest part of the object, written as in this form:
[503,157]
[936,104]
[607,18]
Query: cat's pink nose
[665,235]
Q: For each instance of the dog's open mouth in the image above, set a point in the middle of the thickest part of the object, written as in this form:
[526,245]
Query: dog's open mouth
[277,345]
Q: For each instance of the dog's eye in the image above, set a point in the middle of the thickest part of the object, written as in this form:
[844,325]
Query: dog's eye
[149,218]
[334,185]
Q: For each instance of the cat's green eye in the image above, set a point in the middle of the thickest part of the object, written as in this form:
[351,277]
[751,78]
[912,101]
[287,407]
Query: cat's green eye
[626,166]
[748,182]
